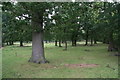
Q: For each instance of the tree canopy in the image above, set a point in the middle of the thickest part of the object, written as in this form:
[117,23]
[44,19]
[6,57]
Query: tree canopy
[61,22]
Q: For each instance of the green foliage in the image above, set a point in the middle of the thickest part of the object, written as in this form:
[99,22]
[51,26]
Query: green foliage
[61,21]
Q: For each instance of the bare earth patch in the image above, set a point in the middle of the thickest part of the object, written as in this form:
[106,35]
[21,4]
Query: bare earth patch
[81,65]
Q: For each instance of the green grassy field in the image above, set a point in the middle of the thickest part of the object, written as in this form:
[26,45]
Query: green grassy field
[15,63]
[0,63]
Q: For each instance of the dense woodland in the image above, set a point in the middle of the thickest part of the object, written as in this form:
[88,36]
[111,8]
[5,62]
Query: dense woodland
[41,22]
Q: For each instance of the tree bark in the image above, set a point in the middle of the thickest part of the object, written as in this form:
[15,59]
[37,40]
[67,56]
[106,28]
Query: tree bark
[74,42]
[91,41]
[95,41]
[37,39]
[111,44]
[21,43]
[65,45]
[37,48]
[55,42]
[11,42]
[86,43]
[2,45]
[60,43]
[7,43]
[105,41]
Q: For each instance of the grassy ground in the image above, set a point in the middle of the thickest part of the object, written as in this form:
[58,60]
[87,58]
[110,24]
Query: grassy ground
[15,63]
[0,64]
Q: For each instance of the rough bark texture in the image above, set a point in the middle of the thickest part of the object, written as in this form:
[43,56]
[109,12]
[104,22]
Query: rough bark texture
[37,39]
[37,48]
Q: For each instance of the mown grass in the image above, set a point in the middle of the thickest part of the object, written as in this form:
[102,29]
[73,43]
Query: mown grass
[0,64]
[15,63]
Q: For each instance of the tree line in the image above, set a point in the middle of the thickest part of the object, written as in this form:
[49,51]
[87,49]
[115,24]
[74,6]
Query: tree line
[60,22]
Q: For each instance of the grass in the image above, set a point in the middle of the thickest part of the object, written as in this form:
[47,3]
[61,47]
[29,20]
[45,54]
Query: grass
[0,63]
[15,63]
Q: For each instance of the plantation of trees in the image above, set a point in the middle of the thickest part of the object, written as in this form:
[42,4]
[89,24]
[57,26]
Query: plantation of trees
[63,24]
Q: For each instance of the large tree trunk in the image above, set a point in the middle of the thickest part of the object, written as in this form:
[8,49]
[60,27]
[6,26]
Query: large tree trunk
[37,39]
[21,43]
[37,48]
[55,42]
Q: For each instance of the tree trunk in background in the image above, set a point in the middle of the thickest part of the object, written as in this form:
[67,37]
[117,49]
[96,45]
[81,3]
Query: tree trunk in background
[7,43]
[105,41]
[60,43]
[11,43]
[111,44]
[74,42]
[55,42]
[74,39]
[86,43]
[65,45]
[95,41]
[119,50]
[2,45]
[91,41]
[21,43]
